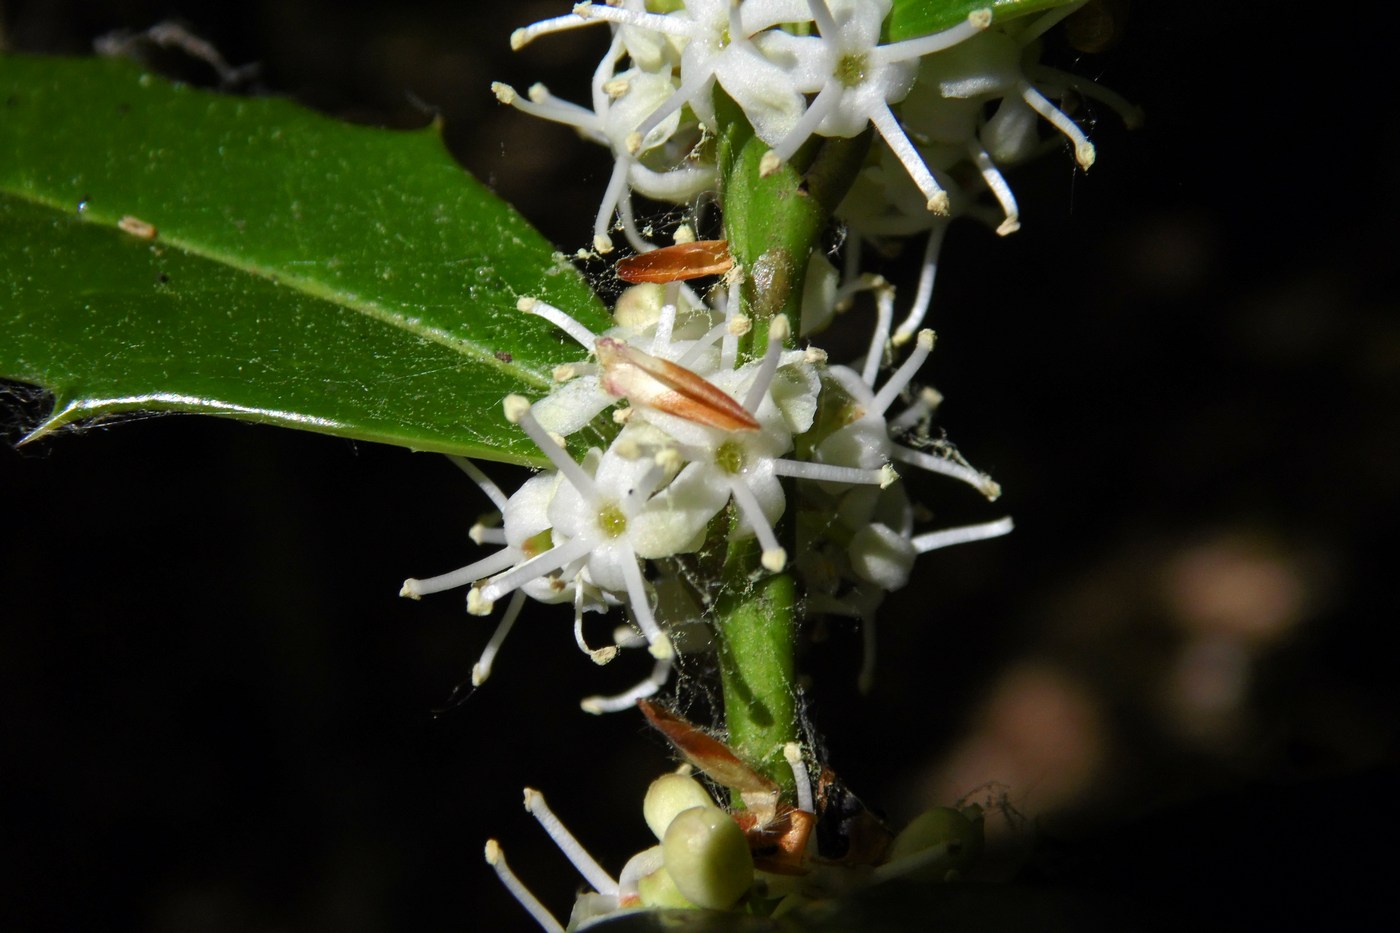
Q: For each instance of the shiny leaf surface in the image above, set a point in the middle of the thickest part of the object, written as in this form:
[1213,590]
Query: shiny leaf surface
[164,248]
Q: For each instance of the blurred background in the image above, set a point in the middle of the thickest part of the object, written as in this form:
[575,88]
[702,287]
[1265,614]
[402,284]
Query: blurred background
[217,714]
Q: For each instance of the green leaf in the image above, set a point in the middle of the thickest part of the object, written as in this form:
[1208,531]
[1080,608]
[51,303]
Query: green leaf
[910,19]
[304,272]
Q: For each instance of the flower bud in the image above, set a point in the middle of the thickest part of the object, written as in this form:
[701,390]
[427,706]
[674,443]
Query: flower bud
[958,831]
[668,796]
[708,857]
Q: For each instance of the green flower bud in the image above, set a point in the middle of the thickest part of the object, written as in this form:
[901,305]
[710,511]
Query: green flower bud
[658,890]
[958,832]
[669,795]
[708,857]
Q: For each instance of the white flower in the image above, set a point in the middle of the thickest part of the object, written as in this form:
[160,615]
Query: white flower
[602,520]
[856,80]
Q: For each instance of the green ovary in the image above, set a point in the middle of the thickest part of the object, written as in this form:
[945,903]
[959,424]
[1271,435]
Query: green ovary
[612,521]
[850,70]
[730,457]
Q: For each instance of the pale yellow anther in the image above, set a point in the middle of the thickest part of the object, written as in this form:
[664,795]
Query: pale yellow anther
[926,339]
[515,407]
[504,92]
[661,649]
[1084,154]
[980,19]
[685,233]
[739,325]
[616,87]
[564,372]
[774,559]
[1008,226]
[410,589]
[669,459]
[558,438]
[779,329]
[769,163]
[634,142]
[939,204]
[476,605]
[888,476]
[815,356]
[526,305]
[622,415]
[602,244]
[538,92]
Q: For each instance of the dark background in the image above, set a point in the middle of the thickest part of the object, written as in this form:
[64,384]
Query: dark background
[218,715]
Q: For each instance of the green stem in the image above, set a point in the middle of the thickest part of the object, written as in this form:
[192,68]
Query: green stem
[773,223]
[756,620]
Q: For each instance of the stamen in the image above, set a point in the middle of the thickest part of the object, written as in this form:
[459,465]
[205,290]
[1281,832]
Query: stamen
[827,100]
[902,376]
[494,563]
[821,15]
[656,22]
[698,349]
[855,284]
[729,347]
[538,566]
[599,656]
[924,295]
[617,184]
[1128,112]
[933,540]
[559,319]
[888,127]
[481,533]
[658,644]
[629,224]
[778,331]
[830,473]
[992,176]
[774,557]
[976,21]
[665,325]
[920,408]
[517,409]
[793,753]
[482,668]
[884,314]
[951,468]
[1083,149]
[597,705]
[546,106]
[492,491]
[527,34]
[688,89]
[497,860]
[592,872]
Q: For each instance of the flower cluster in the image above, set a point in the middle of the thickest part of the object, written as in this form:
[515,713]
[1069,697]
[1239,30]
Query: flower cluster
[686,427]
[710,858]
[805,68]
[705,443]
